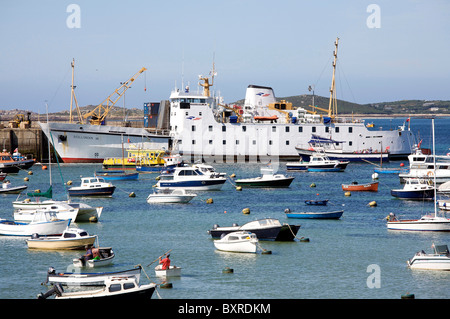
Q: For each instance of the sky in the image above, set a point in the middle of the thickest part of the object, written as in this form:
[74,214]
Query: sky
[388,50]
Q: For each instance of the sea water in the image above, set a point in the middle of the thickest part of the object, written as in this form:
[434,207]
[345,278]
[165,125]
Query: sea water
[355,257]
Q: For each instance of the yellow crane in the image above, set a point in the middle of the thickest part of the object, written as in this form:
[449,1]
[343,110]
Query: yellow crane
[98,115]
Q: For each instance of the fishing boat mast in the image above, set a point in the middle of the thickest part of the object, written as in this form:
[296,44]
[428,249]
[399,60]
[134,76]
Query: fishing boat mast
[332,106]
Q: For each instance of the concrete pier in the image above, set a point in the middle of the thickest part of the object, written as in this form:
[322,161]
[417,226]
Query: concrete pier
[31,142]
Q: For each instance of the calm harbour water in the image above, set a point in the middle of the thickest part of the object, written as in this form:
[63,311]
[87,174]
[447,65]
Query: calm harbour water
[335,264]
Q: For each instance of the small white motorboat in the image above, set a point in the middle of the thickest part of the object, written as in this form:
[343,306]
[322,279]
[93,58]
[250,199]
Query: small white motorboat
[28,215]
[173,271]
[71,238]
[168,195]
[7,188]
[189,178]
[240,242]
[42,224]
[106,258]
[438,260]
[115,287]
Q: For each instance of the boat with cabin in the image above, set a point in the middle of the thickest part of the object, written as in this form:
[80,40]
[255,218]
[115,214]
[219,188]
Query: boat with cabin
[42,224]
[415,188]
[137,156]
[439,259]
[114,288]
[318,162]
[28,215]
[71,239]
[92,186]
[264,229]
[7,188]
[189,178]
[267,179]
[238,242]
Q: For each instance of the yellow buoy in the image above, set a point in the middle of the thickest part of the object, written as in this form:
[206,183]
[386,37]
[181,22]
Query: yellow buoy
[132,194]
[312,185]
[69,183]
[233,175]
[238,188]
[227,270]
[209,201]
[26,179]
[373,203]
[30,172]
[348,194]
[246,211]
[93,219]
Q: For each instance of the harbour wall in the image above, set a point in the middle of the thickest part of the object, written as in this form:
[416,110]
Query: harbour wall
[30,142]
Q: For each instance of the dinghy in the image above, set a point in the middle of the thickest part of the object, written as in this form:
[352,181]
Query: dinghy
[172,271]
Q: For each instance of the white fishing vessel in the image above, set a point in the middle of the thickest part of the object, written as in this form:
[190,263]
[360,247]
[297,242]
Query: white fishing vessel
[42,224]
[263,129]
[79,142]
[429,167]
[439,259]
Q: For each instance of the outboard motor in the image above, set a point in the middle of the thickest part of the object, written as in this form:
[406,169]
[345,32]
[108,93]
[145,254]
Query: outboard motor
[56,289]
[287,210]
[35,236]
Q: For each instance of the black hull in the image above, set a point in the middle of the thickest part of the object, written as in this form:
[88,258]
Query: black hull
[283,233]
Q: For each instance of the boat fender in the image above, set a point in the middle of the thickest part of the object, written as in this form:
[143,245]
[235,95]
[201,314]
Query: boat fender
[430,182]
[227,270]
[26,179]
[373,204]
[209,201]
[348,194]
[246,211]
[167,285]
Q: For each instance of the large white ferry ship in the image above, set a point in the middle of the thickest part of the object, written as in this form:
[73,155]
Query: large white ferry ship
[265,130]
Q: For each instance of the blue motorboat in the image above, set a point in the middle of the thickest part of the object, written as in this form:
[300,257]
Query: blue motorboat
[117,175]
[415,188]
[314,215]
[189,178]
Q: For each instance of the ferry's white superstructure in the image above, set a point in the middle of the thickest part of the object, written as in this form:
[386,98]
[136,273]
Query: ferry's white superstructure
[202,127]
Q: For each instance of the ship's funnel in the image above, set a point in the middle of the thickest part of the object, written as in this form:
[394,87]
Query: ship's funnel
[257,96]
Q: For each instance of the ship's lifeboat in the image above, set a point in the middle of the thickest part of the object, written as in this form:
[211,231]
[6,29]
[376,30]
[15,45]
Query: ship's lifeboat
[266,118]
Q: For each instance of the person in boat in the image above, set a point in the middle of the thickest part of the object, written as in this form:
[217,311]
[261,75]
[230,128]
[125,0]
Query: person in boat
[165,262]
[88,255]
[95,253]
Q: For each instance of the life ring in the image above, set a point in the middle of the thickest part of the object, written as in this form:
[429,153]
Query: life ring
[430,173]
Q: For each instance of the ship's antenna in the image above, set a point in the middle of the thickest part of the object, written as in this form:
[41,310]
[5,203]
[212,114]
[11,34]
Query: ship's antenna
[332,108]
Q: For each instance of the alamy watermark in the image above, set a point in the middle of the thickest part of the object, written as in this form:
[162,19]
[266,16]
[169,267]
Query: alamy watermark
[374,279]
[73,21]
[374,19]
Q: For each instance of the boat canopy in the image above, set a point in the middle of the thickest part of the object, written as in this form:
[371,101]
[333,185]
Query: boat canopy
[47,194]
[441,249]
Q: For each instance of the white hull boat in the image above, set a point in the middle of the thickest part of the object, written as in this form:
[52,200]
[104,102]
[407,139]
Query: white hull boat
[115,288]
[438,260]
[107,257]
[93,186]
[190,178]
[170,196]
[71,239]
[239,242]
[41,225]
[89,278]
[28,215]
[173,271]
[85,211]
